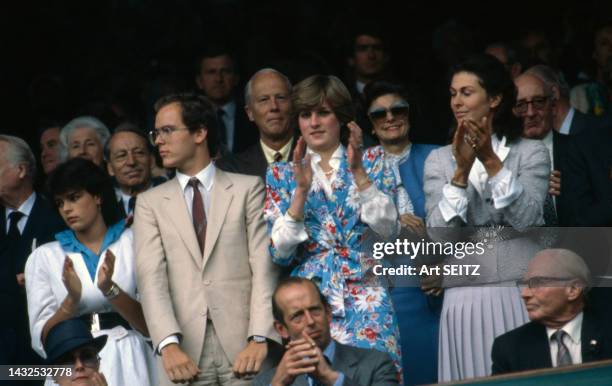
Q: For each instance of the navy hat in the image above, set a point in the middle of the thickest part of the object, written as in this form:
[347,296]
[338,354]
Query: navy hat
[68,335]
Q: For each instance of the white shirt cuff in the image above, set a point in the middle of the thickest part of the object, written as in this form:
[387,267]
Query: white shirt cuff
[454,203]
[169,340]
[287,234]
[505,188]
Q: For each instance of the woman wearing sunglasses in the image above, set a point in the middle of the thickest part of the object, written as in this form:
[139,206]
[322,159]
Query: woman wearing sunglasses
[89,273]
[319,206]
[417,313]
[487,178]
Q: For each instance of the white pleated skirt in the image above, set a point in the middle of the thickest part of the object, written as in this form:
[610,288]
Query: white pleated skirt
[472,317]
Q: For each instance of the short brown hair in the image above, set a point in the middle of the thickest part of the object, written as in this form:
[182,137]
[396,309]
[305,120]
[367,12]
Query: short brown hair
[315,90]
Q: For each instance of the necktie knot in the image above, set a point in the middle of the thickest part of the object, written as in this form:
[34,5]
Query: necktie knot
[563,355]
[278,157]
[194,182]
[15,216]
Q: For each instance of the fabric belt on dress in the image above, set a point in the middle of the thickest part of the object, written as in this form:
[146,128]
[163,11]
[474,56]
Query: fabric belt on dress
[105,321]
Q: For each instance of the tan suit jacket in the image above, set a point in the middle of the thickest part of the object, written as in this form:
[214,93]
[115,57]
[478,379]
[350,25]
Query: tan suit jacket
[231,284]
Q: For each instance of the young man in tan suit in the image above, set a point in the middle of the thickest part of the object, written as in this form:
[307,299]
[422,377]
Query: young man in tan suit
[204,273]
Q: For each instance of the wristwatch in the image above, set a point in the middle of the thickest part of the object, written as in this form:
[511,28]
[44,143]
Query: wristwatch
[113,292]
[258,339]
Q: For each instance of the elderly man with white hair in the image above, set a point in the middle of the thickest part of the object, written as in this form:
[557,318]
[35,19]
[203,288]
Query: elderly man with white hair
[84,137]
[27,220]
[267,98]
[563,330]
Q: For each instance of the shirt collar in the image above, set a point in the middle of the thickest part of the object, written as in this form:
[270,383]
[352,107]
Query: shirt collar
[573,328]
[548,140]
[330,351]
[25,207]
[205,176]
[334,161]
[567,122]
[269,152]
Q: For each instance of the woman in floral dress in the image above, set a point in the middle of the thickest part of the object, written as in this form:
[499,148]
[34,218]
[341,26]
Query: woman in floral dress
[319,206]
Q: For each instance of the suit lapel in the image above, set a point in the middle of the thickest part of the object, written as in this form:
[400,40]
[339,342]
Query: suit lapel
[537,348]
[345,361]
[591,338]
[220,201]
[176,211]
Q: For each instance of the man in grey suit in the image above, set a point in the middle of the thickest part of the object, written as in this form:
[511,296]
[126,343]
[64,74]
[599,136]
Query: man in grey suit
[204,272]
[302,316]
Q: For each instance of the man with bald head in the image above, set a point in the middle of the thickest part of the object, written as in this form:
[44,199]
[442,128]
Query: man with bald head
[562,331]
[536,107]
[267,97]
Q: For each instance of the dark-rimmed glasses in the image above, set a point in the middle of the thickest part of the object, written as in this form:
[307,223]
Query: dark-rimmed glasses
[542,281]
[87,356]
[538,103]
[163,132]
[399,109]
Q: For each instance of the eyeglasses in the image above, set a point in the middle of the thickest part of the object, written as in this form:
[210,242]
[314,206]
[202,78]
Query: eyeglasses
[542,281]
[87,357]
[163,132]
[538,103]
[399,109]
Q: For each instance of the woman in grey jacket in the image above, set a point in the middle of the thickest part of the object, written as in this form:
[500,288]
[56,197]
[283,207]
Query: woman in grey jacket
[487,178]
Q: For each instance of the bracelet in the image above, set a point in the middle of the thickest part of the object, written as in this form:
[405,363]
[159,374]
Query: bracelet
[458,185]
[113,292]
[294,217]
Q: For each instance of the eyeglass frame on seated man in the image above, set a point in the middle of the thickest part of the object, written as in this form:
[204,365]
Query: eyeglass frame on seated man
[537,103]
[543,281]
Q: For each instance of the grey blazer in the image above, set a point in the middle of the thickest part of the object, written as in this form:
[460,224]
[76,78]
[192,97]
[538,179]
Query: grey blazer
[529,162]
[360,367]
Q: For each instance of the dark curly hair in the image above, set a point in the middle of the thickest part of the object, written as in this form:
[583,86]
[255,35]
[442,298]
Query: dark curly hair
[496,80]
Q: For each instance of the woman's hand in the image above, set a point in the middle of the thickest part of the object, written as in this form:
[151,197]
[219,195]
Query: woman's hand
[302,169]
[479,138]
[355,147]
[105,273]
[71,281]
[463,151]
[354,156]
[414,223]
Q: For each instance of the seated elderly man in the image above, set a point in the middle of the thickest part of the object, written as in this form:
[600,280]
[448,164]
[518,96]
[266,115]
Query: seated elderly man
[562,331]
[302,317]
[70,344]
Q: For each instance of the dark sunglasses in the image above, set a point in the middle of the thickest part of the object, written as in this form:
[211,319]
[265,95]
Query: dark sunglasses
[88,357]
[396,110]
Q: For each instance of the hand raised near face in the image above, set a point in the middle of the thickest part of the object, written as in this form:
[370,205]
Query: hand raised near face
[463,149]
[105,273]
[71,280]
[302,169]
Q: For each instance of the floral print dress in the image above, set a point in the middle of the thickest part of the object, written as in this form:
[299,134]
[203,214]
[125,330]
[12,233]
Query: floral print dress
[363,314]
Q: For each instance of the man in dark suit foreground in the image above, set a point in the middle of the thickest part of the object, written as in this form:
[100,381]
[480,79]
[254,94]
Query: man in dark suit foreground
[561,331]
[302,316]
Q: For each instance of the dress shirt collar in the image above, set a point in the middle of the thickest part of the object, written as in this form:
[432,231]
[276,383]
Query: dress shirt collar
[567,122]
[269,152]
[25,207]
[360,86]
[334,161]
[330,351]
[573,329]
[205,176]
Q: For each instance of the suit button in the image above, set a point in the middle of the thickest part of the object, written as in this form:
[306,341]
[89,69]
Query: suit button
[207,282]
